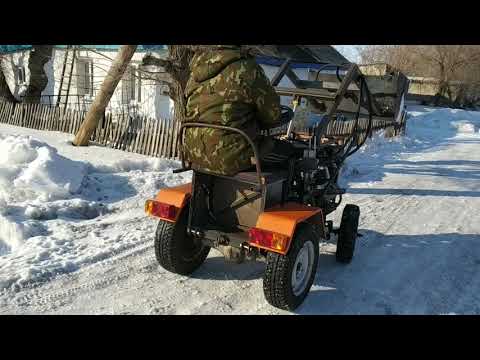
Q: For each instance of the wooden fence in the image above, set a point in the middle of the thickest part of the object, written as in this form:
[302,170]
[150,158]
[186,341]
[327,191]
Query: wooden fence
[141,135]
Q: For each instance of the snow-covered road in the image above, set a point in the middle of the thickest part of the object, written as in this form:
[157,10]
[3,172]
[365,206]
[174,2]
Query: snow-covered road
[420,253]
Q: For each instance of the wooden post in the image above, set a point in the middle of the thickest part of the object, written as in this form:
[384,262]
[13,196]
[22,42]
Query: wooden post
[103,97]
[162,137]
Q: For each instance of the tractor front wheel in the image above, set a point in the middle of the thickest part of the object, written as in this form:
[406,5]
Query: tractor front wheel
[347,235]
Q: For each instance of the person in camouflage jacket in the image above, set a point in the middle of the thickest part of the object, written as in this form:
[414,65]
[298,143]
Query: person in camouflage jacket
[227,87]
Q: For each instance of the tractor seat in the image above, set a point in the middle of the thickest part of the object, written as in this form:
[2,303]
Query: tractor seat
[250,176]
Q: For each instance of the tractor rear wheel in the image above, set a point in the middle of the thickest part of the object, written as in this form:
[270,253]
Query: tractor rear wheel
[175,250]
[347,235]
[288,278]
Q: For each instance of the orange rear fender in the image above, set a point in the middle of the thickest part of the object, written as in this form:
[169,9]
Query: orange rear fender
[285,219]
[176,197]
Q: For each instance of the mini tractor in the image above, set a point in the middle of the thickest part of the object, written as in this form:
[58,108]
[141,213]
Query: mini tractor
[278,216]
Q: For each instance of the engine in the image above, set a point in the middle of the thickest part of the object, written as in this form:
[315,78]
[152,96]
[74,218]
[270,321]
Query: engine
[316,176]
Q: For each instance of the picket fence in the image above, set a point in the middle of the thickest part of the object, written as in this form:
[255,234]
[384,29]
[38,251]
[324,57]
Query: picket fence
[142,135]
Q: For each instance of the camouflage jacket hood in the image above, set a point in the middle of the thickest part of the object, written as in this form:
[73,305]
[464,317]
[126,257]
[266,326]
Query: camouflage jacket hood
[209,64]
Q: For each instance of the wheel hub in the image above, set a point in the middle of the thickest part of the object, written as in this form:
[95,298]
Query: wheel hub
[303,267]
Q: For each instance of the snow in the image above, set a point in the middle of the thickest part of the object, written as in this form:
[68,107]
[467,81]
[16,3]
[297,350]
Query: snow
[74,238]
[47,198]
[427,128]
[36,171]
[32,174]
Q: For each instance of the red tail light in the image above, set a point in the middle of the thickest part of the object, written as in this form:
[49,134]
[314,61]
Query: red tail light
[268,240]
[164,211]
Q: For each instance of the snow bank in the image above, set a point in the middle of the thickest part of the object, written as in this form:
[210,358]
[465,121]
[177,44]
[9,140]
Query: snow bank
[426,127]
[366,165]
[31,173]
[32,170]
[440,123]
[52,207]
[126,165]
[464,127]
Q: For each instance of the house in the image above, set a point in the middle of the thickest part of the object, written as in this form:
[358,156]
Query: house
[75,74]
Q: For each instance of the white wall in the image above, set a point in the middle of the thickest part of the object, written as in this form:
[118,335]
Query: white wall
[153,103]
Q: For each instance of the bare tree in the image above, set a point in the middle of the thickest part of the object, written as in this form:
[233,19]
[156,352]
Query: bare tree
[5,92]
[398,56]
[446,63]
[39,56]
[449,63]
[177,66]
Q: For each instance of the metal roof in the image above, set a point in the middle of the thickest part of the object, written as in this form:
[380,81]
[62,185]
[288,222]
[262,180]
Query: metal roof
[6,49]
[306,54]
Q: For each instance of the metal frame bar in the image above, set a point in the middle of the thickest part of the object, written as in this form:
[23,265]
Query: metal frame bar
[352,76]
[313,89]
[315,93]
[224,128]
[281,73]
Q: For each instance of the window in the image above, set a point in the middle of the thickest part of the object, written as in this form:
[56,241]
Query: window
[20,75]
[85,76]
[131,86]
